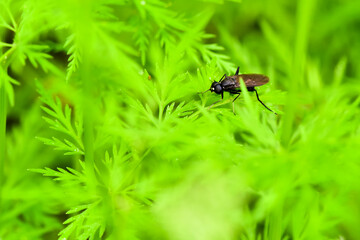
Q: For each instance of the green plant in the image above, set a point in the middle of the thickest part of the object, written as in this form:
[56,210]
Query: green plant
[125,146]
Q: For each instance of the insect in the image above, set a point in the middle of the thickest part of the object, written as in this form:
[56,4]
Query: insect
[231,84]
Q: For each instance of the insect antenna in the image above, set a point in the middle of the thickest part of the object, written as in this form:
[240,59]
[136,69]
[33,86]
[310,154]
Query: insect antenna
[204,91]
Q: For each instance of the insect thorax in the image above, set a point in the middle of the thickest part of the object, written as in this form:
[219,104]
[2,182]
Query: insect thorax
[228,83]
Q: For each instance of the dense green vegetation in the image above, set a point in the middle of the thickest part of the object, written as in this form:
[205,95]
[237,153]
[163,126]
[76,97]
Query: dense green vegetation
[104,135]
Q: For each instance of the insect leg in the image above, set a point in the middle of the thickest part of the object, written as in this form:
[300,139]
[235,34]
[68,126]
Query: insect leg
[224,76]
[214,103]
[263,103]
[237,71]
[238,94]
[222,97]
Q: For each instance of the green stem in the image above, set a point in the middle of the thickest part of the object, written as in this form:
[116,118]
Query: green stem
[88,115]
[2,133]
[88,139]
[7,54]
[161,111]
[12,18]
[304,13]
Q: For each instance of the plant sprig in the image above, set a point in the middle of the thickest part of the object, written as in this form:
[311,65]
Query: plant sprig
[61,120]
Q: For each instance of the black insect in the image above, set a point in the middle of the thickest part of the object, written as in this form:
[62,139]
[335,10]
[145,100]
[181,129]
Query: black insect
[231,84]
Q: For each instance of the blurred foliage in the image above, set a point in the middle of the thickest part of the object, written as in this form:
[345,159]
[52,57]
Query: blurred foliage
[132,150]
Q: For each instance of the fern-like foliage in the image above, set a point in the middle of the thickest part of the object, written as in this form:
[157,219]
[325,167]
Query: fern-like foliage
[7,23]
[83,224]
[153,160]
[60,120]
[25,44]
[8,83]
[68,177]
[141,37]
[37,56]
[102,25]
[74,53]
[87,220]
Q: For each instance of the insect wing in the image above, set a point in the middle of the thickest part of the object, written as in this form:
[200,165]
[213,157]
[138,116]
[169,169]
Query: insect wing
[254,80]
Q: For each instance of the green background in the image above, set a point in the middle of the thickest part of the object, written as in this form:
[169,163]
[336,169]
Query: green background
[104,133]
